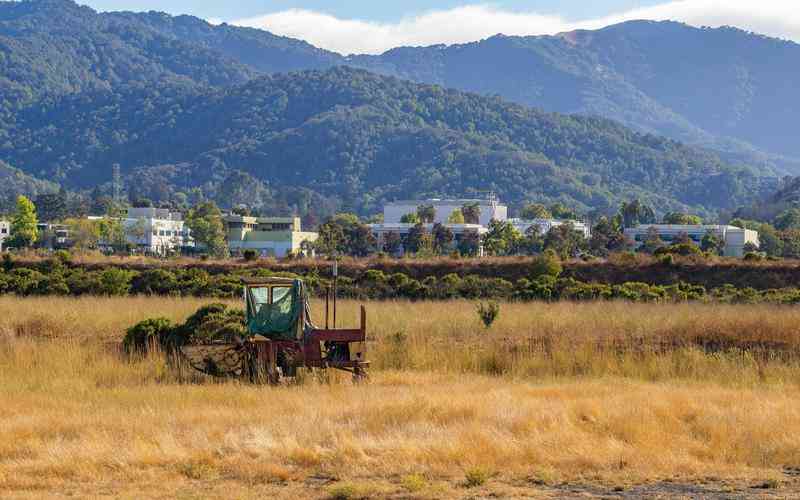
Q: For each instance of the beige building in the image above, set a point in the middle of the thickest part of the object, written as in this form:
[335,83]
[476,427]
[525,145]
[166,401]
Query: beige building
[268,236]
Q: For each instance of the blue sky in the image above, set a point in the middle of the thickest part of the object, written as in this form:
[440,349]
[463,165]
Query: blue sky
[376,10]
[374,26]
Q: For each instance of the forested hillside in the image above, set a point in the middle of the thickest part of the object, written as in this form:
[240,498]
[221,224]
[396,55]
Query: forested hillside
[181,106]
[362,138]
[721,88]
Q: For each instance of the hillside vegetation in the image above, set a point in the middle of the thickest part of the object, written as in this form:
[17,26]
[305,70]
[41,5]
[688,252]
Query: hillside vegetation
[180,104]
[362,138]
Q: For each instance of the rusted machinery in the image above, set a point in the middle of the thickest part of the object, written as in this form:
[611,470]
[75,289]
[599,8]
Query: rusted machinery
[281,338]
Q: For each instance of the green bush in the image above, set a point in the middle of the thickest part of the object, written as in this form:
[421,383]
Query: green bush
[546,264]
[114,282]
[155,282]
[145,335]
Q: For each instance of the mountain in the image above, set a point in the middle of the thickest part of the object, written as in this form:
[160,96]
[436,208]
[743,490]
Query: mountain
[725,89]
[182,104]
[361,138]
[722,88]
[15,181]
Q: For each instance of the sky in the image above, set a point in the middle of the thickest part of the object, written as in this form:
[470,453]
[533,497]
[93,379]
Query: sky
[374,26]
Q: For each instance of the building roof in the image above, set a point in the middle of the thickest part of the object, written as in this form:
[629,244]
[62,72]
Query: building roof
[685,227]
[444,201]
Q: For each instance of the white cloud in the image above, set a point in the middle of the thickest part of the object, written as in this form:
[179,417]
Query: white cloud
[780,18]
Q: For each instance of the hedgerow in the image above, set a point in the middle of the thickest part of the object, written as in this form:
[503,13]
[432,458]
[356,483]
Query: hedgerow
[544,283]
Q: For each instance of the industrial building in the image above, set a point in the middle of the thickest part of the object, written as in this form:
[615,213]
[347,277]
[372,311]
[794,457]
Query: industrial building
[545,225]
[735,238]
[5,232]
[490,209]
[268,236]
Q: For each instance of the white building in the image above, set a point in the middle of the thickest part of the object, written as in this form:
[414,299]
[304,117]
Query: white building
[735,238]
[545,225]
[155,230]
[490,209]
[267,236]
[5,232]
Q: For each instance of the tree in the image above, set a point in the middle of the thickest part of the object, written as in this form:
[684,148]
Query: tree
[469,244]
[415,238]
[502,239]
[472,213]
[634,213]
[52,207]
[442,239]
[564,240]
[607,236]
[652,241]
[84,233]
[345,234]
[208,229]
[559,211]
[682,238]
[410,219]
[457,217]
[533,242]
[712,243]
[392,243]
[23,224]
[788,219]
[546,264]
[426,214]
[535,211]
[682,219]
[331,240]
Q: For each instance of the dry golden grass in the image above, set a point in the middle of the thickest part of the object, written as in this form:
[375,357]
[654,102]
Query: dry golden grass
[75,418]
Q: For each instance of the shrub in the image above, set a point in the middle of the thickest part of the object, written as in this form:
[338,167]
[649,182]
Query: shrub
[755,256]
[25,281]
[211,322]
[155,281]
[475,477]
[546,264]
[114,282]
[488,312]
[147,334]
[250,255]
[63,256]
[8,262]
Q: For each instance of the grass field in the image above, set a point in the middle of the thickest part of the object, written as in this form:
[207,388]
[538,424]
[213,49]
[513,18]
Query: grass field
[554,400]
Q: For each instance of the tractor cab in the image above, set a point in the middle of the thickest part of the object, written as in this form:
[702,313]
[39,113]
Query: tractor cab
[277,308]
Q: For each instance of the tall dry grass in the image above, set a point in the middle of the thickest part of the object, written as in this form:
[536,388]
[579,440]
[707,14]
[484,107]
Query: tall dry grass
[594,402]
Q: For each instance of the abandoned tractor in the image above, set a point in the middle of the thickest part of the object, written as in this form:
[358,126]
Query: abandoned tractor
[281,338]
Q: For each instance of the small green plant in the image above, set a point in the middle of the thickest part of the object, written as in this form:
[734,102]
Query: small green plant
[475,477]
[414,482]
[488,312]
[351,491]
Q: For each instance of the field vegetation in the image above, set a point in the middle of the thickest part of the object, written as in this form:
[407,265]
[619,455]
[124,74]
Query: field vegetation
[549,396]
